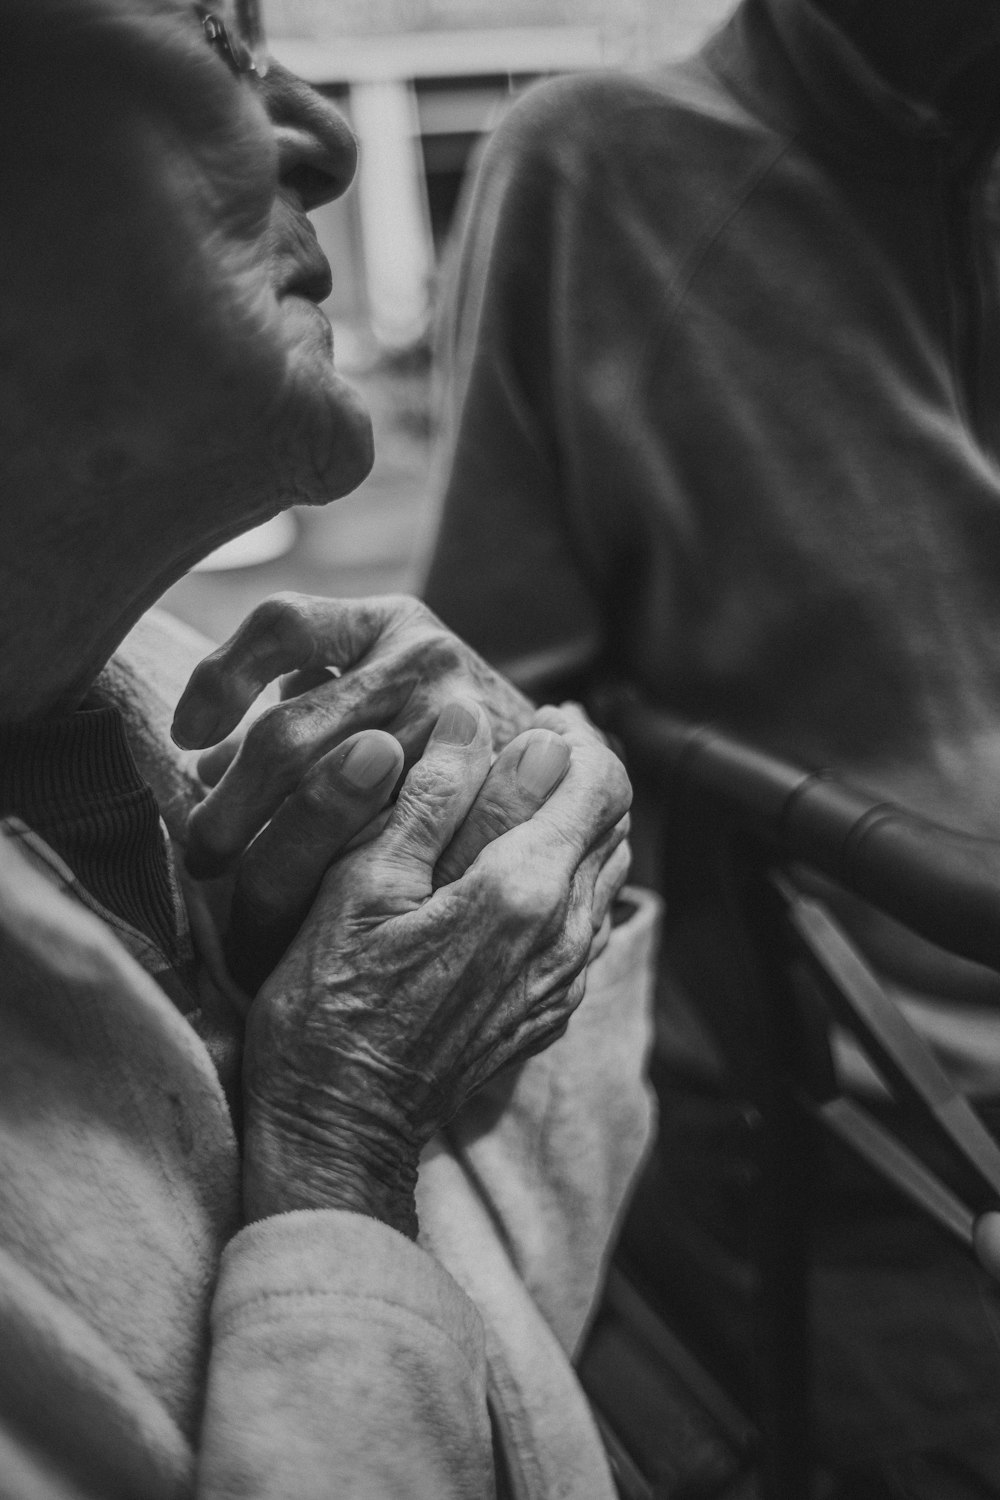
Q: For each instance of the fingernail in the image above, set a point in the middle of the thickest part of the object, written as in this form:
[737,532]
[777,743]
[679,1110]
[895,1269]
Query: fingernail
[457,725]
[192,727]
[542,765]
[369,761]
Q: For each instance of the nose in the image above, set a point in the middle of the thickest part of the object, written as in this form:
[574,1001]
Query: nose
[317,153]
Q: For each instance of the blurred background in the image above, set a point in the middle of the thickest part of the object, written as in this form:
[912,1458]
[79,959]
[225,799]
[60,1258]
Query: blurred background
[422,82]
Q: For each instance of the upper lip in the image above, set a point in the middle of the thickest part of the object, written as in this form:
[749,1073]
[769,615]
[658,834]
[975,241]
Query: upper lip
[305,269]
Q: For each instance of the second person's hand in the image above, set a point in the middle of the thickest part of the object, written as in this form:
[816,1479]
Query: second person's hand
[397,1000]
[397,666]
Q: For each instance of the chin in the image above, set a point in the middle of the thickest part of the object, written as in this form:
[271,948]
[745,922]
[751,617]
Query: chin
[327,439]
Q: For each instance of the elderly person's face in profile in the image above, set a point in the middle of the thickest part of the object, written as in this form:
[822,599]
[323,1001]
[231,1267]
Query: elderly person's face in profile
[166,379]
[179,369]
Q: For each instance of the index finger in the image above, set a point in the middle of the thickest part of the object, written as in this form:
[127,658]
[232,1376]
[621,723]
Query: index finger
[286,633]
[523,775]
[593,796]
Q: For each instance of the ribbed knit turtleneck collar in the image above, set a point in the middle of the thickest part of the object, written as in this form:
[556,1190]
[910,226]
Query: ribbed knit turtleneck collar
[84,755]
[74,782]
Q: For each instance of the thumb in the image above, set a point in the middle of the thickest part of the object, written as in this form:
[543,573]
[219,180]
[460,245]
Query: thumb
[435,798]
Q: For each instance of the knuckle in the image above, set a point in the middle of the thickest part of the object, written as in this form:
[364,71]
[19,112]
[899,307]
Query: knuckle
[400,604]
[550,717]
[491,883]
[515,902]
[436,645]
[504,898]
[538,897]
[439,654]
[283,617]
[412,607]
[283,605]
[210,676]
[281,733]
[401,611]
[577,715]
[616,784]
[418,608]
[357,883]
[569,719]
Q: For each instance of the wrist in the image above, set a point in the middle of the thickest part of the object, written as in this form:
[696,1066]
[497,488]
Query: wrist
[340,1163]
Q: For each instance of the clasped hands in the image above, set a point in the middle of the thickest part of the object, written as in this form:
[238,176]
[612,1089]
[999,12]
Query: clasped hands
[423,865]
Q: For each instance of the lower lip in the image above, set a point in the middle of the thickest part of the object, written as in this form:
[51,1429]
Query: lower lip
[314,315]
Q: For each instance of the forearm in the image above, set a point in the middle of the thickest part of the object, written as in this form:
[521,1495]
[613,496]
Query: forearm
[344,1361]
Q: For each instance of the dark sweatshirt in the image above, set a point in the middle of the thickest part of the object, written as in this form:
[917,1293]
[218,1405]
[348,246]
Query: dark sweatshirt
[723,418]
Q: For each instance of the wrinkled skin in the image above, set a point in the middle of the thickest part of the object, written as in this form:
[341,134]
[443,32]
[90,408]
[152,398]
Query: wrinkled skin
[399,667]
[167,379]
[406,948]
[401,996]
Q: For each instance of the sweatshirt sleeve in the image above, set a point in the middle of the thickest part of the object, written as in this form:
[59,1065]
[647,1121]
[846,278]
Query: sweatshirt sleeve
[521,1198]
[345,1361]
[151,1349]
[552,1148]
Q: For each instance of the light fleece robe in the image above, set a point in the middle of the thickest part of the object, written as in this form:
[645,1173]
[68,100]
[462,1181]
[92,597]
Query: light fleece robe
[152,1347]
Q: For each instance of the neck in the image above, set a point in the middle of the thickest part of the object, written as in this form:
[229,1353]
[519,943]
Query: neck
[78,569]
[69,595]
[53,657]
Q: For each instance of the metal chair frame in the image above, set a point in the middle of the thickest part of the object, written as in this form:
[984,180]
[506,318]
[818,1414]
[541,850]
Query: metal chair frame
[942,884]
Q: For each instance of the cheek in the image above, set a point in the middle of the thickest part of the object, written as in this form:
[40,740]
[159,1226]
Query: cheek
[238,171]
[211,314]
[309,429]
[258,391]
[244,374]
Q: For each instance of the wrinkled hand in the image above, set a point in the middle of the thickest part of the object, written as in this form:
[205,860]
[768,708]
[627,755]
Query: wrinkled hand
[398,667]
[343,800]
[401,995]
